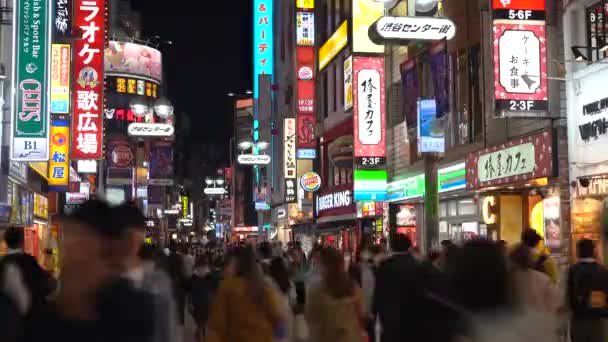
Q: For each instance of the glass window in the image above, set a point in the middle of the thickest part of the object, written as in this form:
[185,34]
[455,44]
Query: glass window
[452,208]
[467,208]
[443,209]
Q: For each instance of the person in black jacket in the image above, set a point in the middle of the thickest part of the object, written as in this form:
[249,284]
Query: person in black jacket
[399,294]
[587,289]
[38,282]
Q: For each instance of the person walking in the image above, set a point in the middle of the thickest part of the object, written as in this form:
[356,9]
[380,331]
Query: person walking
[399,294]
[542,261]
[246,307]
[334,308]
[205,282]
[180,281]
[586,293]
[279,276]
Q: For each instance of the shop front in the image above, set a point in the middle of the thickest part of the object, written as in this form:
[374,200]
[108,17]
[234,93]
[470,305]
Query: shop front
[281,220]
[518,190]
[459,209]
[588,143]
[336,219]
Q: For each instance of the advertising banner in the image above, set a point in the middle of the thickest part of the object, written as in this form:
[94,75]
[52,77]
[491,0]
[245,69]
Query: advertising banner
[87,120]
[305,4]
[411,89]
[365,13]
[333,45]
[130,59]
[263,41]
[60,78]
[348,83]
[119,154]
[289,152]
[161,163]
[305,28]
[306,131]
[30,131]
[431,134]
[59,163]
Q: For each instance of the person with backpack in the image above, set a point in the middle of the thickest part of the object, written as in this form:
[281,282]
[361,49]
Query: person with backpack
[541,261]
[586,292]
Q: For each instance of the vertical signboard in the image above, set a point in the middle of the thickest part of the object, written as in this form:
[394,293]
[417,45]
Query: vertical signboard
[431,134]
[88,74]
[348,83]
[289,148]
[59,164]
[305,28]
[520,58]
[31,39]
[62,18]
[369,118]
[306,115]
[161,164]
[60,78]
[262,40]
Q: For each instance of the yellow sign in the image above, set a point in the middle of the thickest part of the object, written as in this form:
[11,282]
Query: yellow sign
[59,167]
[41,206]
[42,168]
[60,78]
[307,4]
[489,217]
[365,13]
[333,45]
[185,208]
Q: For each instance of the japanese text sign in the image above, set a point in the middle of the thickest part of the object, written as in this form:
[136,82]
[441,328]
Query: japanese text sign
[60,78]
[290,190]
[289,152]
[88,88]
[151,130]
[306,96]
[305,28]
[402,30]
[522,159]
[369,107]
[30,132]
[333,45]
[59,164]
[263,46]
[537,5]
[520,67]
[348,83]
[62,20]
[519,9]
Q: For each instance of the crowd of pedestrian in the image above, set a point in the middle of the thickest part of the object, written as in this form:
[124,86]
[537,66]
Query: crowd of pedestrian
[113,287]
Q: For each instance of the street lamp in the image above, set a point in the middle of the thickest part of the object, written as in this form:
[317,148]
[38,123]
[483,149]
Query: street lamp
[388,4]
[163,107]
[262,145]
[139,106]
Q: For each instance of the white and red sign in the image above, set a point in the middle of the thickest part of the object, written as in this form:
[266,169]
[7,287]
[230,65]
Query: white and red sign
[289,151]
[89,19]
[369,107]
[306,116]
[535,5]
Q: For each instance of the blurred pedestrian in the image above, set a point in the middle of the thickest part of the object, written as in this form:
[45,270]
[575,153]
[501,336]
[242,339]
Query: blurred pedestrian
[334,308]
[246,307]
[362,271]
[586,294]
[542,261]
[399,293]
[180,281]
[279,276]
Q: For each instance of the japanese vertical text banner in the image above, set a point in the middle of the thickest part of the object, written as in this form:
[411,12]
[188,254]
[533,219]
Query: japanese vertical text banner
[370,176]
[89,18]
[59,167]
[60,78]
[520,58]
[262,41]
[289,159]
[30,131]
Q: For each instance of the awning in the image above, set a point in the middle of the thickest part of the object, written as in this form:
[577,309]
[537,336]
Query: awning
[345,217]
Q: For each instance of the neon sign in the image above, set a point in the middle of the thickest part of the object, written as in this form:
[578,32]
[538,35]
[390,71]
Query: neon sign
[262,41]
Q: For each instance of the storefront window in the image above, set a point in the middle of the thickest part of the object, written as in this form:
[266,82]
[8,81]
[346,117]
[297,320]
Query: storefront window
[467,207]
[443,209]
[452,210]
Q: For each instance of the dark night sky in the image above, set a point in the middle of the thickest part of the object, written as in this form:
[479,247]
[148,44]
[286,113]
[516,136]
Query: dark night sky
[210,57]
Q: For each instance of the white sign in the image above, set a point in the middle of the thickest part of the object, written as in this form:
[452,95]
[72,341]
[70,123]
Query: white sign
[305,73]
[369,109]
[305,29]
[87,166]
[171,211]
[253,159]
[75,197]
[512,161]
[335,200]
[160,182]
[519,62]
[348,83]
[214,191]
[307,153]
[156,130]
[406,29]
[289,152]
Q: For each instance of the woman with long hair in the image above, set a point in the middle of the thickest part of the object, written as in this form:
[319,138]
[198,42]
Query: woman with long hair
[246,307]
[337,296]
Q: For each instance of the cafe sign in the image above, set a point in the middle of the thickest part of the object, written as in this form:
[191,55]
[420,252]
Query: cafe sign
[521,159]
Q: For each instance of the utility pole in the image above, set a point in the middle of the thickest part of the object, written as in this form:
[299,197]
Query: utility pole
[431,201]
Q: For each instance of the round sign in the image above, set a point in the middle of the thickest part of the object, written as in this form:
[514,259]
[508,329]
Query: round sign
[305,73]
[310,182]
[122,156]
[59,139]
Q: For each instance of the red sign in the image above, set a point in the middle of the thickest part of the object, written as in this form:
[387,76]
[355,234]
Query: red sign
[89,18]
[495,165]
[535,5]
[249,229]
[306,96]
[306,131]
[305,56]
[520,66]
[122,115]
[369,115]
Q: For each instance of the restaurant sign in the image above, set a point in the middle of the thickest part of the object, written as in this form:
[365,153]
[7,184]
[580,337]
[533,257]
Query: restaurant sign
[521,159]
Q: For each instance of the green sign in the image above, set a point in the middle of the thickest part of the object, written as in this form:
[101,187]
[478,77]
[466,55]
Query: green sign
[449,179]
[31,48]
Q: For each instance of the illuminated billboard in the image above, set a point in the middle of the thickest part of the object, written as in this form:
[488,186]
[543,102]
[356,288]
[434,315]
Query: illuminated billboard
[333,45]
[365,13]
[130,59]
[59,164]
[263,46]
[60,78]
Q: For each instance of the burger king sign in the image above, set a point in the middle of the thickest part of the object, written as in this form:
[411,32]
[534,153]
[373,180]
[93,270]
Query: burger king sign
[310,182]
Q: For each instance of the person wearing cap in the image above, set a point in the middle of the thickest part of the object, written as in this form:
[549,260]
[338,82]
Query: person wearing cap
[93,302]
[542,261]
[132,256]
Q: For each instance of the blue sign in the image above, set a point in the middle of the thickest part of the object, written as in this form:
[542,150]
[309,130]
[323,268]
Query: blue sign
[263,47]
[59,106]
[307,153]
[431,133]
